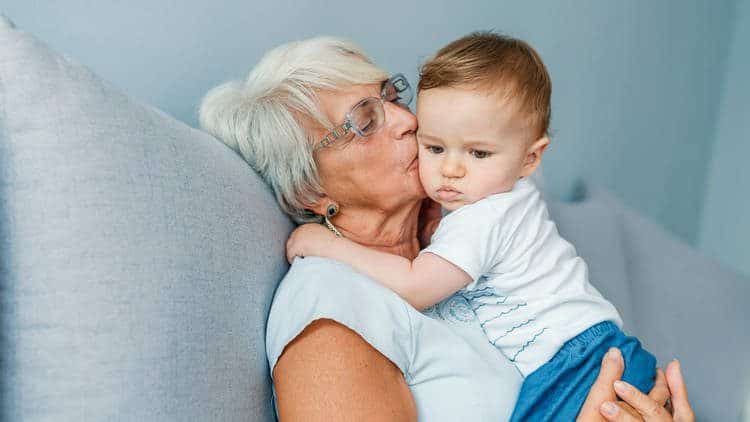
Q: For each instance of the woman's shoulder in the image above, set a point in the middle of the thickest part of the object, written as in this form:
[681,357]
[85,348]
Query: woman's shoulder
[319,288]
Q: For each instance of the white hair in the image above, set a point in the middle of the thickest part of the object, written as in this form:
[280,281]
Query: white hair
[263,118]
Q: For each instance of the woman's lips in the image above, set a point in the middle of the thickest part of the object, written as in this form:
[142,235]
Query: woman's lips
[447,194]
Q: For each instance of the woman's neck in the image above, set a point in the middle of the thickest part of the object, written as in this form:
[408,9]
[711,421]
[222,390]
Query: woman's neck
[391,232]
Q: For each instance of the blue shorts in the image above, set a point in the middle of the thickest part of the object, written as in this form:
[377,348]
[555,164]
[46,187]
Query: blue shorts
[557,390]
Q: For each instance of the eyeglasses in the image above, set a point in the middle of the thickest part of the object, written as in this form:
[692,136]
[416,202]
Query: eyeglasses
[368,115]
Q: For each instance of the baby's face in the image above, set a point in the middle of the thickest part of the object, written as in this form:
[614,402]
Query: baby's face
[470,145]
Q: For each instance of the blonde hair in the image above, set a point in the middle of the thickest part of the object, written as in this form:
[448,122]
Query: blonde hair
[486,60]
[264,117]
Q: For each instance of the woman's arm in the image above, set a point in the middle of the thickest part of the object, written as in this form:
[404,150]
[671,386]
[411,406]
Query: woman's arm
[330,373]
[423,282]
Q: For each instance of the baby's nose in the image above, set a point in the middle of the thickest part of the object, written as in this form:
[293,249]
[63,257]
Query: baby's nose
[452,168]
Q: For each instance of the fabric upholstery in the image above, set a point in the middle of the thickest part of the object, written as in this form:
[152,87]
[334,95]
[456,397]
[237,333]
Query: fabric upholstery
[138,256]
[689,307]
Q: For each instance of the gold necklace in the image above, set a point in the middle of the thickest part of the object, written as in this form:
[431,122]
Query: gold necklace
[330,226]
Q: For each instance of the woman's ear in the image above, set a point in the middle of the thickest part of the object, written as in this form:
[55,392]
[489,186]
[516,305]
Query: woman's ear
[534,156]
[320,205]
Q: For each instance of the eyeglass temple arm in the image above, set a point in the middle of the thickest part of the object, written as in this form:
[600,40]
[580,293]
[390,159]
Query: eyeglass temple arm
[336,133]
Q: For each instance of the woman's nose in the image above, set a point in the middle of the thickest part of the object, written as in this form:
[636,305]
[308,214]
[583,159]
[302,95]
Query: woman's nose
[452,168]
[402,121]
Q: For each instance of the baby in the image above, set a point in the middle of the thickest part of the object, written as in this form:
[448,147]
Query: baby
[483,109]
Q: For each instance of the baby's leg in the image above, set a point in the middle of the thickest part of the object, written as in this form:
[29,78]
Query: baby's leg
[557,390]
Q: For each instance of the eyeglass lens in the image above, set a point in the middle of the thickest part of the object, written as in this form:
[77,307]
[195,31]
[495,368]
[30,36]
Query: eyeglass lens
[367,116]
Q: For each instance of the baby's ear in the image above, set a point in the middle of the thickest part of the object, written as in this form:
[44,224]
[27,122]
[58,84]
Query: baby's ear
[534,156]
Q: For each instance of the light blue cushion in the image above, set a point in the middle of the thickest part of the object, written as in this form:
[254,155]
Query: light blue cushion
[138,256]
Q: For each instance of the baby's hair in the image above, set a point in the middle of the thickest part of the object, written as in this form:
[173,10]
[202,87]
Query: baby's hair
[488,61]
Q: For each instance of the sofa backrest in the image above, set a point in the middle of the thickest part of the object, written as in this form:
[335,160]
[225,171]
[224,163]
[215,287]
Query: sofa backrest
[138,256]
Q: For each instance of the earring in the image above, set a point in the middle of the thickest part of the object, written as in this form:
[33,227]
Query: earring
[332,210]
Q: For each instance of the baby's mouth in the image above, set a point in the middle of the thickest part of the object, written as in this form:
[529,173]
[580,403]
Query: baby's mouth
[447,194]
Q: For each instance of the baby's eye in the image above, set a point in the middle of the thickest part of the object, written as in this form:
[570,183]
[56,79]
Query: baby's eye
[480,154]
[434,149]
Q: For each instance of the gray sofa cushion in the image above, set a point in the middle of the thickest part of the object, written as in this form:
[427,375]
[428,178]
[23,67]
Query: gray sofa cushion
[678,302]
[688,306]
[138,256]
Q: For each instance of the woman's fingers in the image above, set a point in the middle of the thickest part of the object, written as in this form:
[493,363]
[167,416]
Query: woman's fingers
[682,410]
[601,391]
[638,406]
[622,411]
[660,392]
[619,412]
[649,408]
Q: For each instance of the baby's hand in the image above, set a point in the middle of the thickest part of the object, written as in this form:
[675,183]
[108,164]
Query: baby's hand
[308,240]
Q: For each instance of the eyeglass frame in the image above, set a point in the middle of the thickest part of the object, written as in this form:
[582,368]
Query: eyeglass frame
[347,127]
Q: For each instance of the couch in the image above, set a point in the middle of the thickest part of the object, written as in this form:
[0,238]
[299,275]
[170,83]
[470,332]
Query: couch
[139,257]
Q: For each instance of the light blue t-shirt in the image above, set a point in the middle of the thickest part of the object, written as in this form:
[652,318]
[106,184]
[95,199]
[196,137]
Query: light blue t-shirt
[451,369]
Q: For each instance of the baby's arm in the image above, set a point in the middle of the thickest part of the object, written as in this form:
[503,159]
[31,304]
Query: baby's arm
[423,282]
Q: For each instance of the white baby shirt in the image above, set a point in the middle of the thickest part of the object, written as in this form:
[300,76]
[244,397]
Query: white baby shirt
[530,289]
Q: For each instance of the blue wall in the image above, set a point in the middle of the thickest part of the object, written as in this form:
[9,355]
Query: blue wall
[636,83]
[725,232]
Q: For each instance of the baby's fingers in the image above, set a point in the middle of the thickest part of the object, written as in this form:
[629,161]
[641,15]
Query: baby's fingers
[291,249]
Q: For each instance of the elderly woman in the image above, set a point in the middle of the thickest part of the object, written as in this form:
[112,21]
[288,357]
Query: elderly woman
[332,135]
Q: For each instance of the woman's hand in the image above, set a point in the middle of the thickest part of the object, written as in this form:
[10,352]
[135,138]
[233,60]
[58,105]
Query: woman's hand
[429,218]
[638,406]
[611,370]
[602,405]
[308,240]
